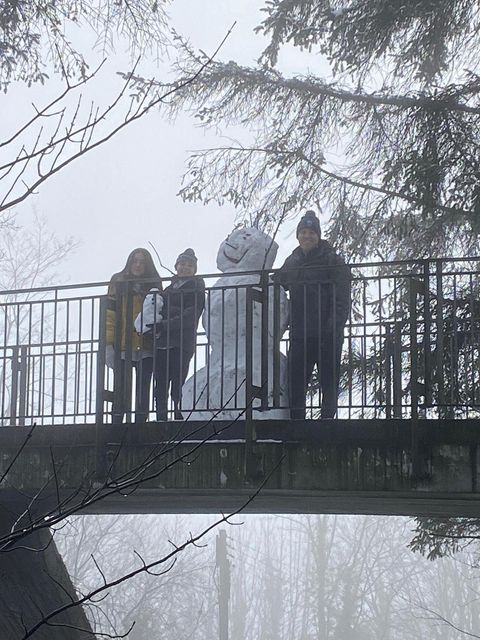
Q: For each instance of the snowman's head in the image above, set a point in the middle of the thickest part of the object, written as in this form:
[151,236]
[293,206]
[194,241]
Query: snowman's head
[246,249]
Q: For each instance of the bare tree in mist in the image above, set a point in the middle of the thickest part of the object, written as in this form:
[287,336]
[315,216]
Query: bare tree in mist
[306,577]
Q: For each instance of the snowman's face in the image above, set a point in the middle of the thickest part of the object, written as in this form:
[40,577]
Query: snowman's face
[245,250]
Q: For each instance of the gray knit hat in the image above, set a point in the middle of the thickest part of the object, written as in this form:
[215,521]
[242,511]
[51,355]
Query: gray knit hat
[187,256]
[309,221]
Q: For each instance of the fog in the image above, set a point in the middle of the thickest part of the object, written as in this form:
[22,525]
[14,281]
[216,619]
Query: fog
[302,577]
[326,577]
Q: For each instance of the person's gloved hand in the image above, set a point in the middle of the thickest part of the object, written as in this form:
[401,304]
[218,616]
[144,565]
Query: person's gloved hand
[110,356]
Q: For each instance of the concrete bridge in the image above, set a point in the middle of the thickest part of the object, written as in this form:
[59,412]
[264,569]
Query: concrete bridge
[311,467]
[405,442]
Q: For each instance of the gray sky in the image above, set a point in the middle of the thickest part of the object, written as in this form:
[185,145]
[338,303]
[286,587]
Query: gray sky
[123,194]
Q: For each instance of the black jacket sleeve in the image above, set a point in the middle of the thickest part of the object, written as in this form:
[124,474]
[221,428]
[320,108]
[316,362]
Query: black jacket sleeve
[343,286]
[288,273]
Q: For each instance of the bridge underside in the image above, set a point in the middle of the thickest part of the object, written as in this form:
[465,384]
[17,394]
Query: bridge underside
[376,467]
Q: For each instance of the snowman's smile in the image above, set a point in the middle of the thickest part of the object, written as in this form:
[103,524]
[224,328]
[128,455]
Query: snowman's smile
[236,258]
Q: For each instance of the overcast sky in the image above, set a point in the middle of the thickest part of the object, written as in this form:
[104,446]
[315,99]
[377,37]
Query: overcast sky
[123,194]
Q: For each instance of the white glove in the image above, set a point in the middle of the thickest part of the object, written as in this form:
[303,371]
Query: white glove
[110,356]
[151,312]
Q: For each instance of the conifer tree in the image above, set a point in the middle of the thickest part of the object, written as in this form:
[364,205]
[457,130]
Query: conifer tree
[386,144]
[36,33]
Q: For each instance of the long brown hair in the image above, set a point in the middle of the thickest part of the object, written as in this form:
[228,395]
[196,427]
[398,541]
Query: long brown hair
[150,278]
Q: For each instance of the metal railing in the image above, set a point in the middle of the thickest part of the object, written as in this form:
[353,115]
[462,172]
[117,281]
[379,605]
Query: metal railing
[411,349]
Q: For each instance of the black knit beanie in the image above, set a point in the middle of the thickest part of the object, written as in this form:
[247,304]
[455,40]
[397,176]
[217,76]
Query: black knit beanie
[309,221]
[187,256]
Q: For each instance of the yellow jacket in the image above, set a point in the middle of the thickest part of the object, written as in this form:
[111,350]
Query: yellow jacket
[138,342]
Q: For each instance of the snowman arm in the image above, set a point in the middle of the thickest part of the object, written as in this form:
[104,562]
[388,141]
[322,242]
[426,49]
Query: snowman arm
[193,306]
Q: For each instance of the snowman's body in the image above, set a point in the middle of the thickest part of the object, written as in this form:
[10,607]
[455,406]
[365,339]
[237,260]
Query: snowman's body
[219,389]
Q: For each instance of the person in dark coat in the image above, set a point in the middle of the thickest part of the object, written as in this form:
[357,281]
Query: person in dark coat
[319,284]
[183,304]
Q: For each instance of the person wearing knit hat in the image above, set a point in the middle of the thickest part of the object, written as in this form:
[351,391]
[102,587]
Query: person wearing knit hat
[188,258]
[319,283]
[175,340]
[309,221]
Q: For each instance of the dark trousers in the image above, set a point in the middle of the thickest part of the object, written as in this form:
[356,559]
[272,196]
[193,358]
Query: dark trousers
[144,369]
[303,355]
[171,368]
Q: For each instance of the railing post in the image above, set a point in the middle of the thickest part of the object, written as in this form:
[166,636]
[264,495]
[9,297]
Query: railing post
[129,320]
[101,392]
[276,345]
[439,342]
[255,295]
[397,369]
[416,288]
[102,345]
[250,435]
[22,396]
[14,386]
[388,371]
[264,340]
[427,340]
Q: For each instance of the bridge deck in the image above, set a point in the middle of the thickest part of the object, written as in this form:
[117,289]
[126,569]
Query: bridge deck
[341,466]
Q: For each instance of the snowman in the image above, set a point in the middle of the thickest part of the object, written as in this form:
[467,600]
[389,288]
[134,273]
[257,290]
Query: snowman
[218,390]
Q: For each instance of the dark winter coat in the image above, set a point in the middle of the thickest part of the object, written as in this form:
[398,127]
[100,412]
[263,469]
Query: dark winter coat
[319,283]
[183,304]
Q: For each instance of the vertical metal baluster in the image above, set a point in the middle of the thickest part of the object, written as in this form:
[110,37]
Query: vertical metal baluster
[41,397]
[14,386]
[250,435]
[388,372]
[397,355]
[427,339]
[454,390]
[23,384]
[264,341]
[102,345]
[66,359]
[276,344]
[350,338]
[130,293]
[237,339]
[54,353]
[381,369]
[94,326]
[440,338]
[364,348]
[3,389]
[472,383]
[29,381]
[222,360]
[209,321]
[414,375]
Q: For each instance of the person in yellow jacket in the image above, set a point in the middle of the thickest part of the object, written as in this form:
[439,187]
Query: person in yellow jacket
[127,291]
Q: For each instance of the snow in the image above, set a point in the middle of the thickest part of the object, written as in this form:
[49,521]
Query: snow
[222,383]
